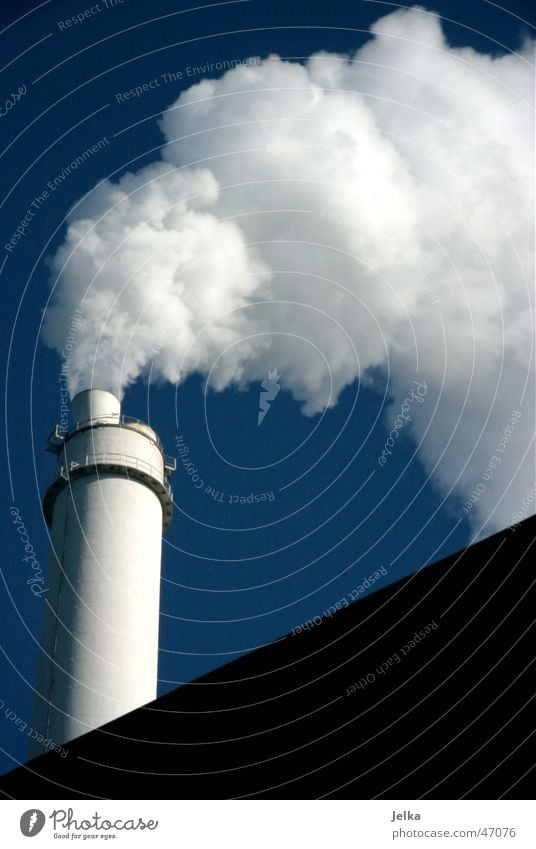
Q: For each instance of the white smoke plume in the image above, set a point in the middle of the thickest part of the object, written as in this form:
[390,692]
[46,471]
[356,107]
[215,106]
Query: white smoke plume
[350,213]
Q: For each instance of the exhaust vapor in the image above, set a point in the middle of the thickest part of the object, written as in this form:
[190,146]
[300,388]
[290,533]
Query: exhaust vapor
[329,219]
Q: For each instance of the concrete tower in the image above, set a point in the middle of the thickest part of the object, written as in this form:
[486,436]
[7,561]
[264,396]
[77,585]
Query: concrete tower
[107,508]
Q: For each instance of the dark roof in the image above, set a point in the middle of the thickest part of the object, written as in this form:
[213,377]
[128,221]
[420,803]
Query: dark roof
[356,707]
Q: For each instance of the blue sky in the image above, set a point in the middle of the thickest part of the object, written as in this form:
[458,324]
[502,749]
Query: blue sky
[235,575]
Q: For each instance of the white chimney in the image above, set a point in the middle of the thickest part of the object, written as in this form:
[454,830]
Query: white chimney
[107,508]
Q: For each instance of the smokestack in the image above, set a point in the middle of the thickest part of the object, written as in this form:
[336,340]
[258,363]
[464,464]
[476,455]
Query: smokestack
[107,508]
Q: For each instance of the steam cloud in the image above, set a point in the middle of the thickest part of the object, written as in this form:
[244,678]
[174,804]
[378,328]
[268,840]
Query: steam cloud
[328,219]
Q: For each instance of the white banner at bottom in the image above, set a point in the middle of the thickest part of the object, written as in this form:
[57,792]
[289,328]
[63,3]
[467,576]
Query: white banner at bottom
[271,824]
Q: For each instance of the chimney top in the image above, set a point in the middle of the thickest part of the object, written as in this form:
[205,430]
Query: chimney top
[96,405]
